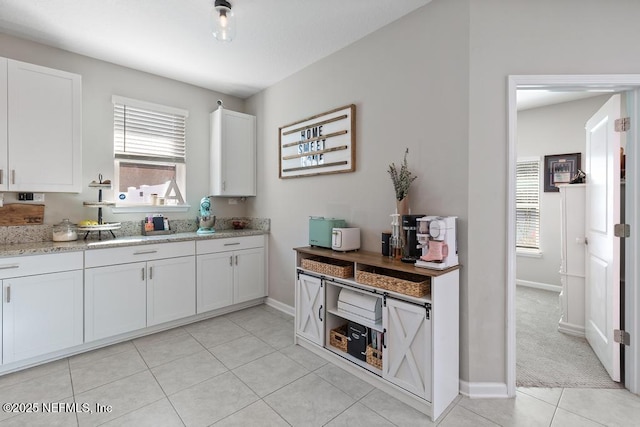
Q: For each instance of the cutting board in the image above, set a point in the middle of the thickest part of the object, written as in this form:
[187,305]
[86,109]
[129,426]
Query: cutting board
[21,214]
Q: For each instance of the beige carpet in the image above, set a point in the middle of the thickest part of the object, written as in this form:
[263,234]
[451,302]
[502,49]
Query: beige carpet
[546,357]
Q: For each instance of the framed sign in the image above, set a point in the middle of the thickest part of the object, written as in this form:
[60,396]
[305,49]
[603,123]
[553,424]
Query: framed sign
[560,169]
[322,144]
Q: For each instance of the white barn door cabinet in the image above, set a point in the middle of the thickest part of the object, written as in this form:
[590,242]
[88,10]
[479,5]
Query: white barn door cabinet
[417,336]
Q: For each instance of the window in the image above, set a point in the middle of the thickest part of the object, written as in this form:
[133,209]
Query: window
[528,204]
[149,152]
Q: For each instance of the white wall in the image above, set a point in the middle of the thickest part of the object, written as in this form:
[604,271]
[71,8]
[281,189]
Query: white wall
[101,80]
[555,129]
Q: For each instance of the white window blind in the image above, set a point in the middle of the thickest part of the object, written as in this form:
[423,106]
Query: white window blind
[146,131]
[528,204]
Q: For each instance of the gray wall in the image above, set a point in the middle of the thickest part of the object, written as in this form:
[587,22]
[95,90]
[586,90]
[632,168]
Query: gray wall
[555,129]
[409,84]
[514,38]
[101,80]
[436,82]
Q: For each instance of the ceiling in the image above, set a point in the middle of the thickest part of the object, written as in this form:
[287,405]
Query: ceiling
[172,38]
[534,98]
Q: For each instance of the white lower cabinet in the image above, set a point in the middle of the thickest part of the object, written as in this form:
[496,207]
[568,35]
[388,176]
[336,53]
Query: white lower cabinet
[41,304]
[229,271]
[171,291]
[310,308]
[41,314]
[126,297]
[115,300]
[406,357]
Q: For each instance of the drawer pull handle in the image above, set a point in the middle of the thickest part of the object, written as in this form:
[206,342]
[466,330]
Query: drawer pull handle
[232,244]
[8,294]
[13,176]
[142,274]
[150,273]
[7,267]
[1,174]
[146,252]
[231,260]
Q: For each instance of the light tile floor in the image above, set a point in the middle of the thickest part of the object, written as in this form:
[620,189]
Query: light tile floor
[242,369]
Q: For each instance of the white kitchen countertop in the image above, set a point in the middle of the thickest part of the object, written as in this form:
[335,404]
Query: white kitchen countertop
[38,248]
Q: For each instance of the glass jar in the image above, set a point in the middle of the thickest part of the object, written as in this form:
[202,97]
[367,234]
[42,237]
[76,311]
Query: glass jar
[65,231]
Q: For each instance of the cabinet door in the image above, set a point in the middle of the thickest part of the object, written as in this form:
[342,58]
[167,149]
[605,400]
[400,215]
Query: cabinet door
[249,275]
[310,308]
[41,314]
[214,281]
[171,289]
[4,165]
[406,357]
[44,137]
[233,153]
[115,300]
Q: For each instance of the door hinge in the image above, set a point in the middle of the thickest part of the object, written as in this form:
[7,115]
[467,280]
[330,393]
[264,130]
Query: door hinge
[621,230]
[621,337]
[623,124]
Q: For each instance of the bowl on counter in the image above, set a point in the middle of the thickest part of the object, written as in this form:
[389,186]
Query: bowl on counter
[239,224]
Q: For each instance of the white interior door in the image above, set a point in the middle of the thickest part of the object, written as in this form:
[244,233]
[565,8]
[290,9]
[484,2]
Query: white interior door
[602,293]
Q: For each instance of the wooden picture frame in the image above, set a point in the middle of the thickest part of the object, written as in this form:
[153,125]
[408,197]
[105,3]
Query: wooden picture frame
[321,144]
[560,169]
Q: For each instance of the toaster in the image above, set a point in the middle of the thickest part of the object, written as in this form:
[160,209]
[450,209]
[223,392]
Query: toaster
[320,229]
[345,239]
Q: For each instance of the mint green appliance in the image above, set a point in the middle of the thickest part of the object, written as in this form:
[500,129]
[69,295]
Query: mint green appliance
[321,228]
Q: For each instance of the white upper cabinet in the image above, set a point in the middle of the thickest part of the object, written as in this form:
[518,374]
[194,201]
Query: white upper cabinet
[41,129]
[233,154]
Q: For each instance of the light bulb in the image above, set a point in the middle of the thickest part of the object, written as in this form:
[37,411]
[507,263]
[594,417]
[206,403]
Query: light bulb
[223,25]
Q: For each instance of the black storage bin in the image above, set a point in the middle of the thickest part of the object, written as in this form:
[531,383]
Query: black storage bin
[357,340]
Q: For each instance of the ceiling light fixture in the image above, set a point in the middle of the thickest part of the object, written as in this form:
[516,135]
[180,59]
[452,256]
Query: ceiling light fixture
[223,21]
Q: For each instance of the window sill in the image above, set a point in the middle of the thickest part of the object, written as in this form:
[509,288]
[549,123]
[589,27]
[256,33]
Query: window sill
[529,253]
[150,208]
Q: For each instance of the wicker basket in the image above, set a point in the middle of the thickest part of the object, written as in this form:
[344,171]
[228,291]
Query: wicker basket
[338,338]
[330,267]
[374,357]
[396,281]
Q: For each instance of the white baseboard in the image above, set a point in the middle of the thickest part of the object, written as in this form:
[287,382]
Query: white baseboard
[538,285]
[483,390]
[286,309]
[571,329]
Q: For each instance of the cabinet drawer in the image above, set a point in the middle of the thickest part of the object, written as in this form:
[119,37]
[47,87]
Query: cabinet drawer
[230,244]
[29,265]
[112,256]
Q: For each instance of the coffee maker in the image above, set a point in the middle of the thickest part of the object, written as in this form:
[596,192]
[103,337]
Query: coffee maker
[437,239]
[412,250]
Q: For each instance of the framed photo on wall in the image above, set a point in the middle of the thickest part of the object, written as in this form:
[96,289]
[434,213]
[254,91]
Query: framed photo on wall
[560,169]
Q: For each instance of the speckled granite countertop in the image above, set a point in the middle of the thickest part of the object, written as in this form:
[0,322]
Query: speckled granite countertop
[36,248]
[34,240]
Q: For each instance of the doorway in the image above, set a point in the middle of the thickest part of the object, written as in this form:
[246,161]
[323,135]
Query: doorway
[552,349]
[575,83]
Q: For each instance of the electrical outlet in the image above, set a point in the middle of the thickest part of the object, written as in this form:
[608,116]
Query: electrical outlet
[38,197]
[233,201]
